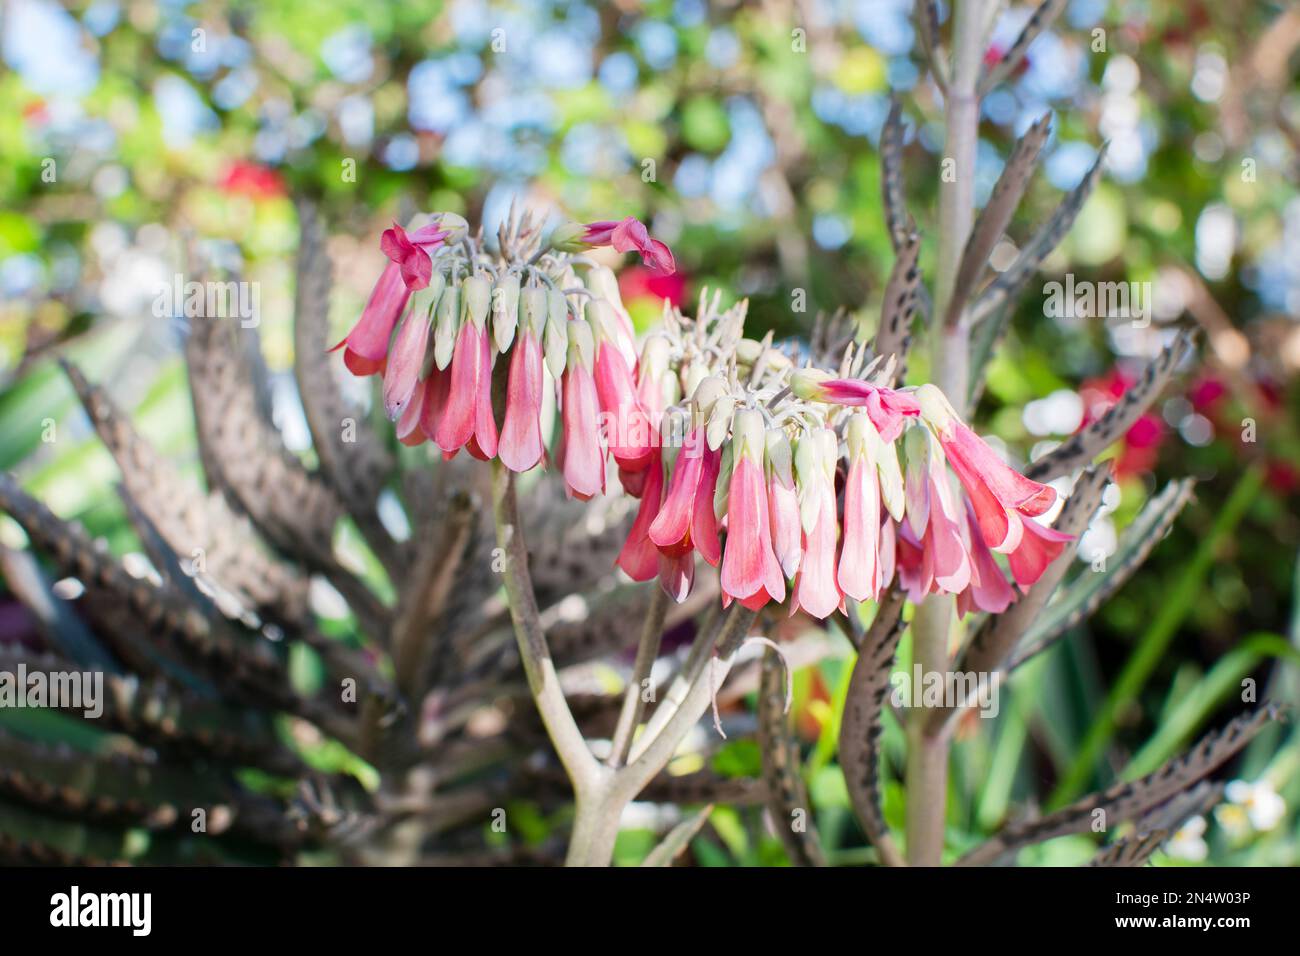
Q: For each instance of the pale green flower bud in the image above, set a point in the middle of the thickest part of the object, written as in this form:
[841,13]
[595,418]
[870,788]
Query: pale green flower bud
[829,444]
[917,449]
[656,354]
[722,491]
[505,310]
[809,471]
[533,309]
[719,421]
[748,351]
[604,321]
[453,224]
[935,408]
[446,326]
[582,347]
[858,435]
[749,434]
[604,285]
[706,393]
[476,299]
[424,301]
[567,237]
[696,372]
[779,456]
[556,340]
[806,383]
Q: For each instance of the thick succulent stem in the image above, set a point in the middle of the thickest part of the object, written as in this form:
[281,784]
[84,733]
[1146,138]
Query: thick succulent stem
[582,768]
[601,793]
[595,828]
[599,810]
[927,749]
[927,757]
[951,341]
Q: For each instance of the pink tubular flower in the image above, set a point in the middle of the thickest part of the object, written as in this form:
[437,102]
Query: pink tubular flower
[989,589]
[410,257]
[677,575]
[932,554]
[604,285]
[1038,548]
[686,521]
[750,572]
[433,407]
[406,361]
[627,235]
[408,429]
[888,408]
[783,503]
[411,251]
[945,548]
[467,420]
[366,346]
[1002,496]
[639,558]
[583,458]
[816,590]
[521,446]
[651,373]
[888,551]
[629,432]
[859,568]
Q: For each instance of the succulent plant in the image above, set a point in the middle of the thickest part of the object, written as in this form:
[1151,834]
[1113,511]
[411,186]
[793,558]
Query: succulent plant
[808,474]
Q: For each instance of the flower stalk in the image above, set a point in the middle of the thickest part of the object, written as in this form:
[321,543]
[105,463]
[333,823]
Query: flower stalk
[927,757]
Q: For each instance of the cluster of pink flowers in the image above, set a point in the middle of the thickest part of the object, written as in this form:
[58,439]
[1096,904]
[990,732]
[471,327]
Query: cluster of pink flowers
[823,488]
[436,340]
[825,517]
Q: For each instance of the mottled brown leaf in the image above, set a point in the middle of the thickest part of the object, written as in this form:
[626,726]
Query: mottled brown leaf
[861,727]
[1092,589]
[1086,445]
[787,799]
[997,212]
[1040,20]
[1049,234]
[897,219]
[353,459]
[1131,851]
[202,528]
[902,296]
[1129,800]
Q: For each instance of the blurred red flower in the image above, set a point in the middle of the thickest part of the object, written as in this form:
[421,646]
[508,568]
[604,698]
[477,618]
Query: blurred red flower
[244,178]
[640,282]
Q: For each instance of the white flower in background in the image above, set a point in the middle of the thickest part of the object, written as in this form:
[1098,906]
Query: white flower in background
[1188,842]
[1264,807]
[1234,821]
